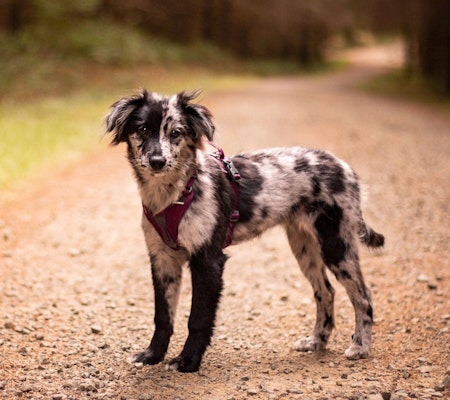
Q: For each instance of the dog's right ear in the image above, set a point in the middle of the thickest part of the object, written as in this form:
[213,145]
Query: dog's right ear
[119,116]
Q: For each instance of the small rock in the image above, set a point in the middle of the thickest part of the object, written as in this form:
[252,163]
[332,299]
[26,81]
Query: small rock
[74,252]
[2,385]
[96,329]
[86,387]
[424,369]
[252,392]
[375,397]
[26,389]
[316,388]
[294,391]
[58,397]
[444,385]
[9,325]
[146,396]
[423,278]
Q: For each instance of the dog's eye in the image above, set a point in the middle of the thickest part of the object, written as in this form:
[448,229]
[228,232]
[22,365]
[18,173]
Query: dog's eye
[175,133]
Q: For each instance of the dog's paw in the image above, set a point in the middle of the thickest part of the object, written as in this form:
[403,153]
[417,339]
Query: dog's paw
[147,357]
[309,344]
[182,364]
[357,351]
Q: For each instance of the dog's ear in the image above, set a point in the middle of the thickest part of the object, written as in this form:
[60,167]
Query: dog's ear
[199,117]
[119,116]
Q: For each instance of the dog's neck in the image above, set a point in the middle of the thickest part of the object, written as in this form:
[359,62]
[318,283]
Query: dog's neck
[160,191]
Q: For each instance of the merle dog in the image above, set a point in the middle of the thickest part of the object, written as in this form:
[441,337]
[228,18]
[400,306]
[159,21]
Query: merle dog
[312,194]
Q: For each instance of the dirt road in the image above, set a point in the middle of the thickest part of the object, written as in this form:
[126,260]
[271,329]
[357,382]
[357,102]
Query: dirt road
[75,288]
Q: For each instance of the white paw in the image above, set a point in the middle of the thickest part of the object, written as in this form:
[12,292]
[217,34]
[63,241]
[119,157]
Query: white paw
[356,351]
[308,344]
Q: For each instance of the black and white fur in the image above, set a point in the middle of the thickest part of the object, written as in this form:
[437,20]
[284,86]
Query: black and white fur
[314,195]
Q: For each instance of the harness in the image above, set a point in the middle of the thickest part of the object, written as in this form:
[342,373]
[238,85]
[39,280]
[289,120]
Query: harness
[166,222]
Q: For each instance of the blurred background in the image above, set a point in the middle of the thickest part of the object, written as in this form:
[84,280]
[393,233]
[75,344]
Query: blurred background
[65,61]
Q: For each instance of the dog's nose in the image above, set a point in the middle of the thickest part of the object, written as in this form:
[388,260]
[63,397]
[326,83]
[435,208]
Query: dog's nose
[157,162]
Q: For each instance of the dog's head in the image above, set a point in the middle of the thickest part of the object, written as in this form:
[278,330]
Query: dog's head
[162,132]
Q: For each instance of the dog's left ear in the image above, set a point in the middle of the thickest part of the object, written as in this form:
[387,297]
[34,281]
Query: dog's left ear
[199,117]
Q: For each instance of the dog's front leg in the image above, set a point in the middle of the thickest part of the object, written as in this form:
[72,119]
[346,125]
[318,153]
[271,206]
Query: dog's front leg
[166,275]
[207,286]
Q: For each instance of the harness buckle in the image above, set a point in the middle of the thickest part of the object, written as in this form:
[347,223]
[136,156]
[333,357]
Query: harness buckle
[234,216]
[232,173]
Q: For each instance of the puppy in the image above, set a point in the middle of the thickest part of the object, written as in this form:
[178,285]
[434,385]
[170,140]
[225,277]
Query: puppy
[312,194]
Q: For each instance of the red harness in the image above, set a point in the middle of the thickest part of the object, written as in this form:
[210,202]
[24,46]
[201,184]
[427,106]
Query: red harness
[167,221]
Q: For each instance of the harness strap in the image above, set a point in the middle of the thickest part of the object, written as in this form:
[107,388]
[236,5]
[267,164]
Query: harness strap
[233,176]
[167,221]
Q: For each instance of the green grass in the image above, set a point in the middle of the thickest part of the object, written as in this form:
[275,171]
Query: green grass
[36,135]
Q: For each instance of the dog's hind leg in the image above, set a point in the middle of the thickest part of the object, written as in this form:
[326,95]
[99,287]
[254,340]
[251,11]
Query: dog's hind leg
[207,284]
[166,275]
[339,248]
[348,273]
[307,252]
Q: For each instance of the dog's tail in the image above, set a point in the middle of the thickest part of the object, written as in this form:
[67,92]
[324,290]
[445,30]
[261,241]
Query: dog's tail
[369,237]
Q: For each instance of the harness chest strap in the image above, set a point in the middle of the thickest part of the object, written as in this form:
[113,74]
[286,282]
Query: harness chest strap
[167,221]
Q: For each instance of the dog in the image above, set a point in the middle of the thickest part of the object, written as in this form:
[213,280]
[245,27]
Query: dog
[312,194]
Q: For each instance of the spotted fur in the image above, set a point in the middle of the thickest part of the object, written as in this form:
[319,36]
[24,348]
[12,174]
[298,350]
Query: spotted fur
[314,195]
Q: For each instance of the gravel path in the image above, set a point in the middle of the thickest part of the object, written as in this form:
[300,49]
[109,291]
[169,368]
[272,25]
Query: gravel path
[75,288]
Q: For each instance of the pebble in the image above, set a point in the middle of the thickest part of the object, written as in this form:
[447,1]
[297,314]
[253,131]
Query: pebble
[2,385]
[9,325]
[444,385]
[74,252]
[26,389]
[96,329]
[375,397]
[294,391]
[424,369]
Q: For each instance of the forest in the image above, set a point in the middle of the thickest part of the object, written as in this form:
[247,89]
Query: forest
[295,30]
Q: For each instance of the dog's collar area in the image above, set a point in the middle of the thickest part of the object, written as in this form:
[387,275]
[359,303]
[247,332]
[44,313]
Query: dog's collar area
[166,222]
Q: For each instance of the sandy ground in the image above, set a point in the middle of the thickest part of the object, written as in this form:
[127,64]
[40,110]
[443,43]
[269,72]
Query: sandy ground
[75,288]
